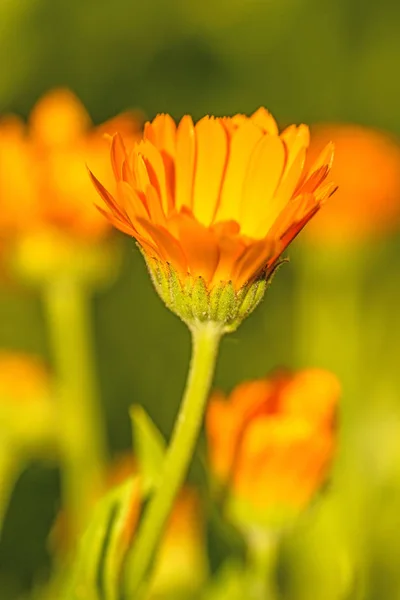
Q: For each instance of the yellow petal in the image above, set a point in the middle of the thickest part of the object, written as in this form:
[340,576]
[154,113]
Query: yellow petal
[185,163]
[154,206]
[161,132]
[168,247]
[242,145]
[262,179]
[297,139]
[263,119]
[156,170]
[212,148]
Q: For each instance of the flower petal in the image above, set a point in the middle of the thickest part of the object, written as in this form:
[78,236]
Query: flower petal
[185,163]
[262,179]
[212,149]
[263,119]
[242,146]
[200,246]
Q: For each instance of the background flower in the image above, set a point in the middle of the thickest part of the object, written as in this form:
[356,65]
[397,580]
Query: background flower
[272,441]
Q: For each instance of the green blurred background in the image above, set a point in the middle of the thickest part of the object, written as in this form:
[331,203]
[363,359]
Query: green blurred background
[306,61]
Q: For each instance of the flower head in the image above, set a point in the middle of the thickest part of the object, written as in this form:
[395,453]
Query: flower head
[45,196]
[220,199]
[272,442]
[367,171]
[43,181]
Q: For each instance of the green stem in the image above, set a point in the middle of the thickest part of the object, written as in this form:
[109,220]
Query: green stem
[83,438]
[261,571]
[206,338]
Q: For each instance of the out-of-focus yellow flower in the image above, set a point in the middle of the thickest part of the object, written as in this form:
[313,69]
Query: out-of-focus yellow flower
[271,443]
[27,412]
[220,199]
[43,178]
[367,171]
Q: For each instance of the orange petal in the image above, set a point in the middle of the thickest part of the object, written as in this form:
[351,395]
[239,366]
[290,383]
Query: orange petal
[185,163]
[133,206]
[293,212]
[293,230]
[231,249]
[314,181]
[212,148]
[324,158]
[226,228]
[155,169]
[296,139]
[154,206]
[118,155]
[252,261]
[241,147]
[123,226]
[168,247]
[161,132]
[262,179]
[263,119]
[292,176]
[107,197]
[200,246]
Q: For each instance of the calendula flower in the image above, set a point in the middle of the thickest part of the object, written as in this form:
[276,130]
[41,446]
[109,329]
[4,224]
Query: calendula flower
[271,442]
[367,171]
[214,204]
[46,199]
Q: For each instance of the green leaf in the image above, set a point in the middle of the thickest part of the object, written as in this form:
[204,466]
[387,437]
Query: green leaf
[96,571]
[149,447]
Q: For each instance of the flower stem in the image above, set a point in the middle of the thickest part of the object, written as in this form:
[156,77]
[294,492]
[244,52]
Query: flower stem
[83,439]
[206,337]
[261,574]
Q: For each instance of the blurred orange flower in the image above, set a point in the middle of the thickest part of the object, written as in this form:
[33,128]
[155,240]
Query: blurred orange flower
[23,378]
[43,178]
[272,442]
[220,199]
[367,171]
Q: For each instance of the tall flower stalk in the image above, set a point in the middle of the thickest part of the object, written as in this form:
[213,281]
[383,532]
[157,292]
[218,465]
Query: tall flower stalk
[205,339]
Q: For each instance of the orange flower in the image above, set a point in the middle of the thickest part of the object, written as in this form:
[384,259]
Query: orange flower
[220,199]
[272,442]
[23,378]
[367,171]
[43,179]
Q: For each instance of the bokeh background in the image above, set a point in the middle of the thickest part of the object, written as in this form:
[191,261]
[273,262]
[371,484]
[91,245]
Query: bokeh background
[335,305]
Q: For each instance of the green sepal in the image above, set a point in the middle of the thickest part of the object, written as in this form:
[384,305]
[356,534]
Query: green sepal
[194,301]
[200,300]
[149,447]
